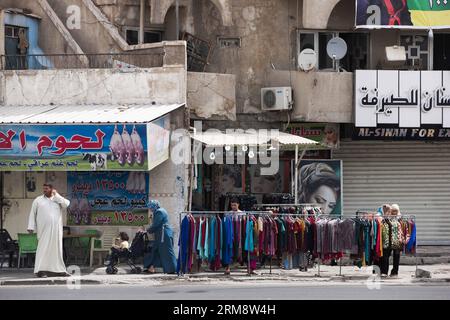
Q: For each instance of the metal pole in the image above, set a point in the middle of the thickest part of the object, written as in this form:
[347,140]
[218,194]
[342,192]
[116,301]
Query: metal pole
[179,249]
[248,259]
[177,15]
[296,175]
[430,49]
[318,267]
[297,164]
[141,22]
[270,264]
[1,199]
[415,249]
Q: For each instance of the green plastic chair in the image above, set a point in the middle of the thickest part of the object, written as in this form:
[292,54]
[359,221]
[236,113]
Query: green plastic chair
[85,241]
[27,244]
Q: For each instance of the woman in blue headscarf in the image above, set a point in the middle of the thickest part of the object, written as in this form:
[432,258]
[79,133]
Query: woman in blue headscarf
[161,254]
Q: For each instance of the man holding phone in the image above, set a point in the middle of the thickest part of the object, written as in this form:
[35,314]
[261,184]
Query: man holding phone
[46,219]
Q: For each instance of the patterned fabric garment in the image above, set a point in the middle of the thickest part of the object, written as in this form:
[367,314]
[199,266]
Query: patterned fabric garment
[385,234]
[396,235]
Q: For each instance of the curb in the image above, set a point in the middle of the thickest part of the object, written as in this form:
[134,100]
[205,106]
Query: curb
[45,282]
[240,279]
[425,280]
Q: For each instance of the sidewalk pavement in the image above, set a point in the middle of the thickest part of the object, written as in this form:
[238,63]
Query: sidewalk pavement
[440,273]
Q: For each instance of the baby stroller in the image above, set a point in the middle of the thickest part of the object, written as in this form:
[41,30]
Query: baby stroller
[136,250]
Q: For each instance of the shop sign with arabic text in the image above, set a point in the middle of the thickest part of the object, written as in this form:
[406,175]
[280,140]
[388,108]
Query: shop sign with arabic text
[73,147]
[108,198]
[406,99]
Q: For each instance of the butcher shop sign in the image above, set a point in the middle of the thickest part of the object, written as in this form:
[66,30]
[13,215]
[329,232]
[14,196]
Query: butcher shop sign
[112,147]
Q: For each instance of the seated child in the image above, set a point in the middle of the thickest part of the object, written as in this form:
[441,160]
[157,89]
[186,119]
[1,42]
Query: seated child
[119,246]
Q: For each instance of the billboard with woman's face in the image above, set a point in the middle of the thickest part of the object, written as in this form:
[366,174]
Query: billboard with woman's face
[320,184]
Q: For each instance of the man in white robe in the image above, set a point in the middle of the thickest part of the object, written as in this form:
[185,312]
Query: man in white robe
[46,219]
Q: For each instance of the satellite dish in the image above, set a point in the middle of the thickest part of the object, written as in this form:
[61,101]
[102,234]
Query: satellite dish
[337,48]
[307,59]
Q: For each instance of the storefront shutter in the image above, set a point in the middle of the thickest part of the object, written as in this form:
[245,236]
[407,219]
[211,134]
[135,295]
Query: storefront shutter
[416,175]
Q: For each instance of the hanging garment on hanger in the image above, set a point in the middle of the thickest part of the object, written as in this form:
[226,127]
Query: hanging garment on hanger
[346,234]
[397,238]
[387,234]
[228,232]
[200,238]
[212,239]
[249,246]
[411,245]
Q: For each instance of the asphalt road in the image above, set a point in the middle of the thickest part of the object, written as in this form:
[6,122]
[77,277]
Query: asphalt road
[228,292]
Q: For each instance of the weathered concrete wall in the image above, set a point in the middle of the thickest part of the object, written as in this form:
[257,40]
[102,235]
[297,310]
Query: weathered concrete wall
[104,36]
[212,95]
[160,8]
[93,86]
[319,96]
[267,29]
[342,17]
[317,12]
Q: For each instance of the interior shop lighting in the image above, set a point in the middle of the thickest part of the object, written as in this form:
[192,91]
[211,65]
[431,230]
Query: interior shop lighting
[212,156]
[244,148]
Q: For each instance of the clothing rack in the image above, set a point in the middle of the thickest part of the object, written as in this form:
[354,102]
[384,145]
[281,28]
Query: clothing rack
[243,213]
[291,215]
[271,214]
[413,217]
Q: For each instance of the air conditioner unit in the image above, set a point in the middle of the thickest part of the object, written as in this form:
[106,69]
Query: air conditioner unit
[278,98]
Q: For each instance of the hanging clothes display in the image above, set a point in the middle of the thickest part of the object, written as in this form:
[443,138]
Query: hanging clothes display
[216,240]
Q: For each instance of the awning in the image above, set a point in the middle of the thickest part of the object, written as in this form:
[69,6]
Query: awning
[75,114]
[217,139]
[292,139]
[220,139]
[286,140]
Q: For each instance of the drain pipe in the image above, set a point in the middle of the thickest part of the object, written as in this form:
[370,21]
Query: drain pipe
[141,22]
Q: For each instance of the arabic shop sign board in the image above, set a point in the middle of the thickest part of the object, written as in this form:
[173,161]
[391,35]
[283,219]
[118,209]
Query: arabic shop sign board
[411,14]
[326,134]
[108,198]
[406,99]
[400,134]
[73,147]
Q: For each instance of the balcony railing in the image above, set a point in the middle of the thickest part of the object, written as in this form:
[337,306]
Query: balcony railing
[81,61]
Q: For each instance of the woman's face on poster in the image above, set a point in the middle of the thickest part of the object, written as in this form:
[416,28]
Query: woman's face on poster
[331,137]
[324,197]
[264,184]
[228,183]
